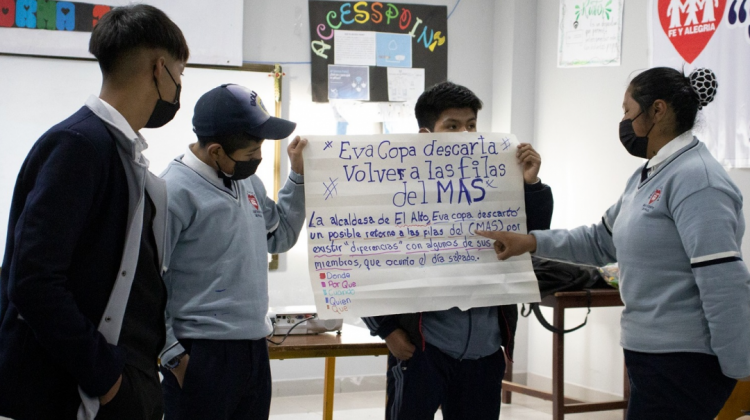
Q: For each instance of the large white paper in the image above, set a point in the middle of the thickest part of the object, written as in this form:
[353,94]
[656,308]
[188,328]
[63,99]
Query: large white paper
[356,48]
[391,221]
[590,33]
[405,84]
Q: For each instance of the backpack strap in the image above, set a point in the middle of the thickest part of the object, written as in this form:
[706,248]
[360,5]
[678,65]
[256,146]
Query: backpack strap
[538,313]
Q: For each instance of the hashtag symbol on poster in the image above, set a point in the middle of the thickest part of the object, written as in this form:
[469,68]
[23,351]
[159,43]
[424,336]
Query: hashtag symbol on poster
[330,188]
[506,143]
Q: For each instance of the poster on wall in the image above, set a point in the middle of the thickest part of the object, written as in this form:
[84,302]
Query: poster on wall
[391,222]
[378,38]
[715,34]
[63,28]
[590,33]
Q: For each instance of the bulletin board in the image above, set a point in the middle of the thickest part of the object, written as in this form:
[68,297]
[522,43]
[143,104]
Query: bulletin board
[377,52]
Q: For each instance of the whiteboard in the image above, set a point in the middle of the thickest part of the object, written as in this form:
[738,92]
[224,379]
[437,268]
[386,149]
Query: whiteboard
[37,93]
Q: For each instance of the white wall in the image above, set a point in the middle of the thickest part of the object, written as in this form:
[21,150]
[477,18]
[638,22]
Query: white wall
[577,115]
[514,85]
[576,125]
[278,32]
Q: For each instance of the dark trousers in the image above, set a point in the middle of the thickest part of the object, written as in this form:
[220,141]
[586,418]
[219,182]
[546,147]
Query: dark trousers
[685,386]
[225,379]
[465,389]
[139,397]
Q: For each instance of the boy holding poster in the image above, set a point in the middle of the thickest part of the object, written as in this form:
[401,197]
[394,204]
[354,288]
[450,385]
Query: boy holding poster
[222,227]
[453,359]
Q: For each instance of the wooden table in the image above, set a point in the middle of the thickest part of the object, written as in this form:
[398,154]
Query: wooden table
[562,405]
[352,341]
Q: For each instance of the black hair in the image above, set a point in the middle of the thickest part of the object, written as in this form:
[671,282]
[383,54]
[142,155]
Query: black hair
[440,97]
[672,87]
[126,28]
[229,142]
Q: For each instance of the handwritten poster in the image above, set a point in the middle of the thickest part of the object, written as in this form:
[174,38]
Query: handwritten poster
[391,221]
[714,34]
[590,33]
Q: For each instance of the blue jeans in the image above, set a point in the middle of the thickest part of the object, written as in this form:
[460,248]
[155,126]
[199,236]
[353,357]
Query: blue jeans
[685,386]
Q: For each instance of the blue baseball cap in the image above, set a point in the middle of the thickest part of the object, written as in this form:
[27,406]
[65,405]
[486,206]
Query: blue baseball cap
[231,109]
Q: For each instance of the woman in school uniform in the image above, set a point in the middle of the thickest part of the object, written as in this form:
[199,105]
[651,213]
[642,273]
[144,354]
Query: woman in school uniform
[676,233]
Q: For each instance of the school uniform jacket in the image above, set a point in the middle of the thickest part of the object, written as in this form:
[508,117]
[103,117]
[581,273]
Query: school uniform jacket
[71,253]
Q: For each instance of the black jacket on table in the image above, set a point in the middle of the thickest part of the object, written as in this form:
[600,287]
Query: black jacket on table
[539,205]
[65,242]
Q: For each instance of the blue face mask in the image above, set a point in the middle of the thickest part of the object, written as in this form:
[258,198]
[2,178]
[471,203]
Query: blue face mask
[164,111]
[636,146]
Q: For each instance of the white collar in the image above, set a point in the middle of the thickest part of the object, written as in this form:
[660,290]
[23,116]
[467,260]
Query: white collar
[203,169]
[669,149]
[112,117]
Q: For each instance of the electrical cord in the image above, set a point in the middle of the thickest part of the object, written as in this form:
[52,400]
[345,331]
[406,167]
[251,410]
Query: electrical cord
[288,332]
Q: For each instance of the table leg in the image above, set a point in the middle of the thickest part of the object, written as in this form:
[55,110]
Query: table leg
[558,364]
[328,383]
[505,395]
[625,390]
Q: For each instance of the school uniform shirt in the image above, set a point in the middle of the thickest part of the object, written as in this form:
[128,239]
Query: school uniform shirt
[134,313]
[220,237]
[676,234]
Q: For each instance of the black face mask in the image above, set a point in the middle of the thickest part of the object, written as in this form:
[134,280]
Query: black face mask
[242,169]
[636,146]
[164,111]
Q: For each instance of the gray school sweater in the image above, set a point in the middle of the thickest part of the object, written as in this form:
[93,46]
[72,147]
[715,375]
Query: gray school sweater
[217,281]
[676,235]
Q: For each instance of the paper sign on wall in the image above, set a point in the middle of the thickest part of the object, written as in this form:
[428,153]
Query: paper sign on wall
[391,221]
[590,33]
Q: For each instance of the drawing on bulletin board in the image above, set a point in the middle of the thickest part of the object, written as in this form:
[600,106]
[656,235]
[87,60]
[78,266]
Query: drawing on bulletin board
[63,28]
[51,15]
[370,51]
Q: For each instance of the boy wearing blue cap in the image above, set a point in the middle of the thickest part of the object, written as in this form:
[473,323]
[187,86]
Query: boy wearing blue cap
[222,227]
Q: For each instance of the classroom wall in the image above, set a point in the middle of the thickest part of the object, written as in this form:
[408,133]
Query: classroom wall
[513,87]
[577,112]
[504,50]
[278,32]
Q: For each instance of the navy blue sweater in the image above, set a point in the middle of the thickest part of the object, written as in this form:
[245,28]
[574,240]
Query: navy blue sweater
[65,242]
